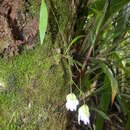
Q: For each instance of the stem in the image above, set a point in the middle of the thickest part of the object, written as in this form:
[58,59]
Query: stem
[85,62]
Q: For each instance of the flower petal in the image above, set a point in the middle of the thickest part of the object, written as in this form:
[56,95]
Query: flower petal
[83,114]
[72,102]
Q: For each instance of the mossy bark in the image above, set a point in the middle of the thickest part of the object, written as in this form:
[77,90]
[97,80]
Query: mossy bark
[36,82]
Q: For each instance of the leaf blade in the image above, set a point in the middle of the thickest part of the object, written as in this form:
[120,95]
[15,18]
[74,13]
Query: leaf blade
[43,20]
[104,104]
[128,122]
[114,83]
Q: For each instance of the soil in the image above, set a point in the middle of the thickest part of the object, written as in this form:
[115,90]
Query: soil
[17,26]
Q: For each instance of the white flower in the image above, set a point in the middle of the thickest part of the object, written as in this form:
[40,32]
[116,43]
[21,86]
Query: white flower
[83,114]
[72,102]
[88,67]
[2,86]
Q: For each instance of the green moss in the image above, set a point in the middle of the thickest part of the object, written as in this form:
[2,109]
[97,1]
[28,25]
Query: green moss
[60,9]
[62,13]
[35,81]
[33,7]
[35,90]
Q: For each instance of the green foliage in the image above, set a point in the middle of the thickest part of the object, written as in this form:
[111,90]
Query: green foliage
[36,86]
[104,103]
[101,58]
[128,122]
[113,81]
[105,52]
[43,20]
[114,6]
[73,42]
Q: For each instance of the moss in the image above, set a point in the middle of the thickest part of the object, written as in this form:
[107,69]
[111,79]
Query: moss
[59,12]
[61,9]
[35,89]
[36,86]
[33,7]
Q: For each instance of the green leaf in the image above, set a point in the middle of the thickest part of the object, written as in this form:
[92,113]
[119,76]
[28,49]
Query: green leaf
[118,60]
[73,41]
[70,60]
[102,114]
[115,5]
[128,122]
[99,21]
[112,79]
[104,104]
[43,20]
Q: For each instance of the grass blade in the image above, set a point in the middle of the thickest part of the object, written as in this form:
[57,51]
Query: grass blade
[104,104]
[73,41]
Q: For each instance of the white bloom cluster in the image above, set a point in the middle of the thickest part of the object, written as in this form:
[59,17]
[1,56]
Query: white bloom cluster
[83,111]
[72,102]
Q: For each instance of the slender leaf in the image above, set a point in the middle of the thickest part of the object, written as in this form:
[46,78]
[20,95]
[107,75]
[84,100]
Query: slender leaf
[118,60]
[114,83]
[73,41]
[101,113]
[98,22]
[104,104]
[43,20]
[115,5]
[128,122]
